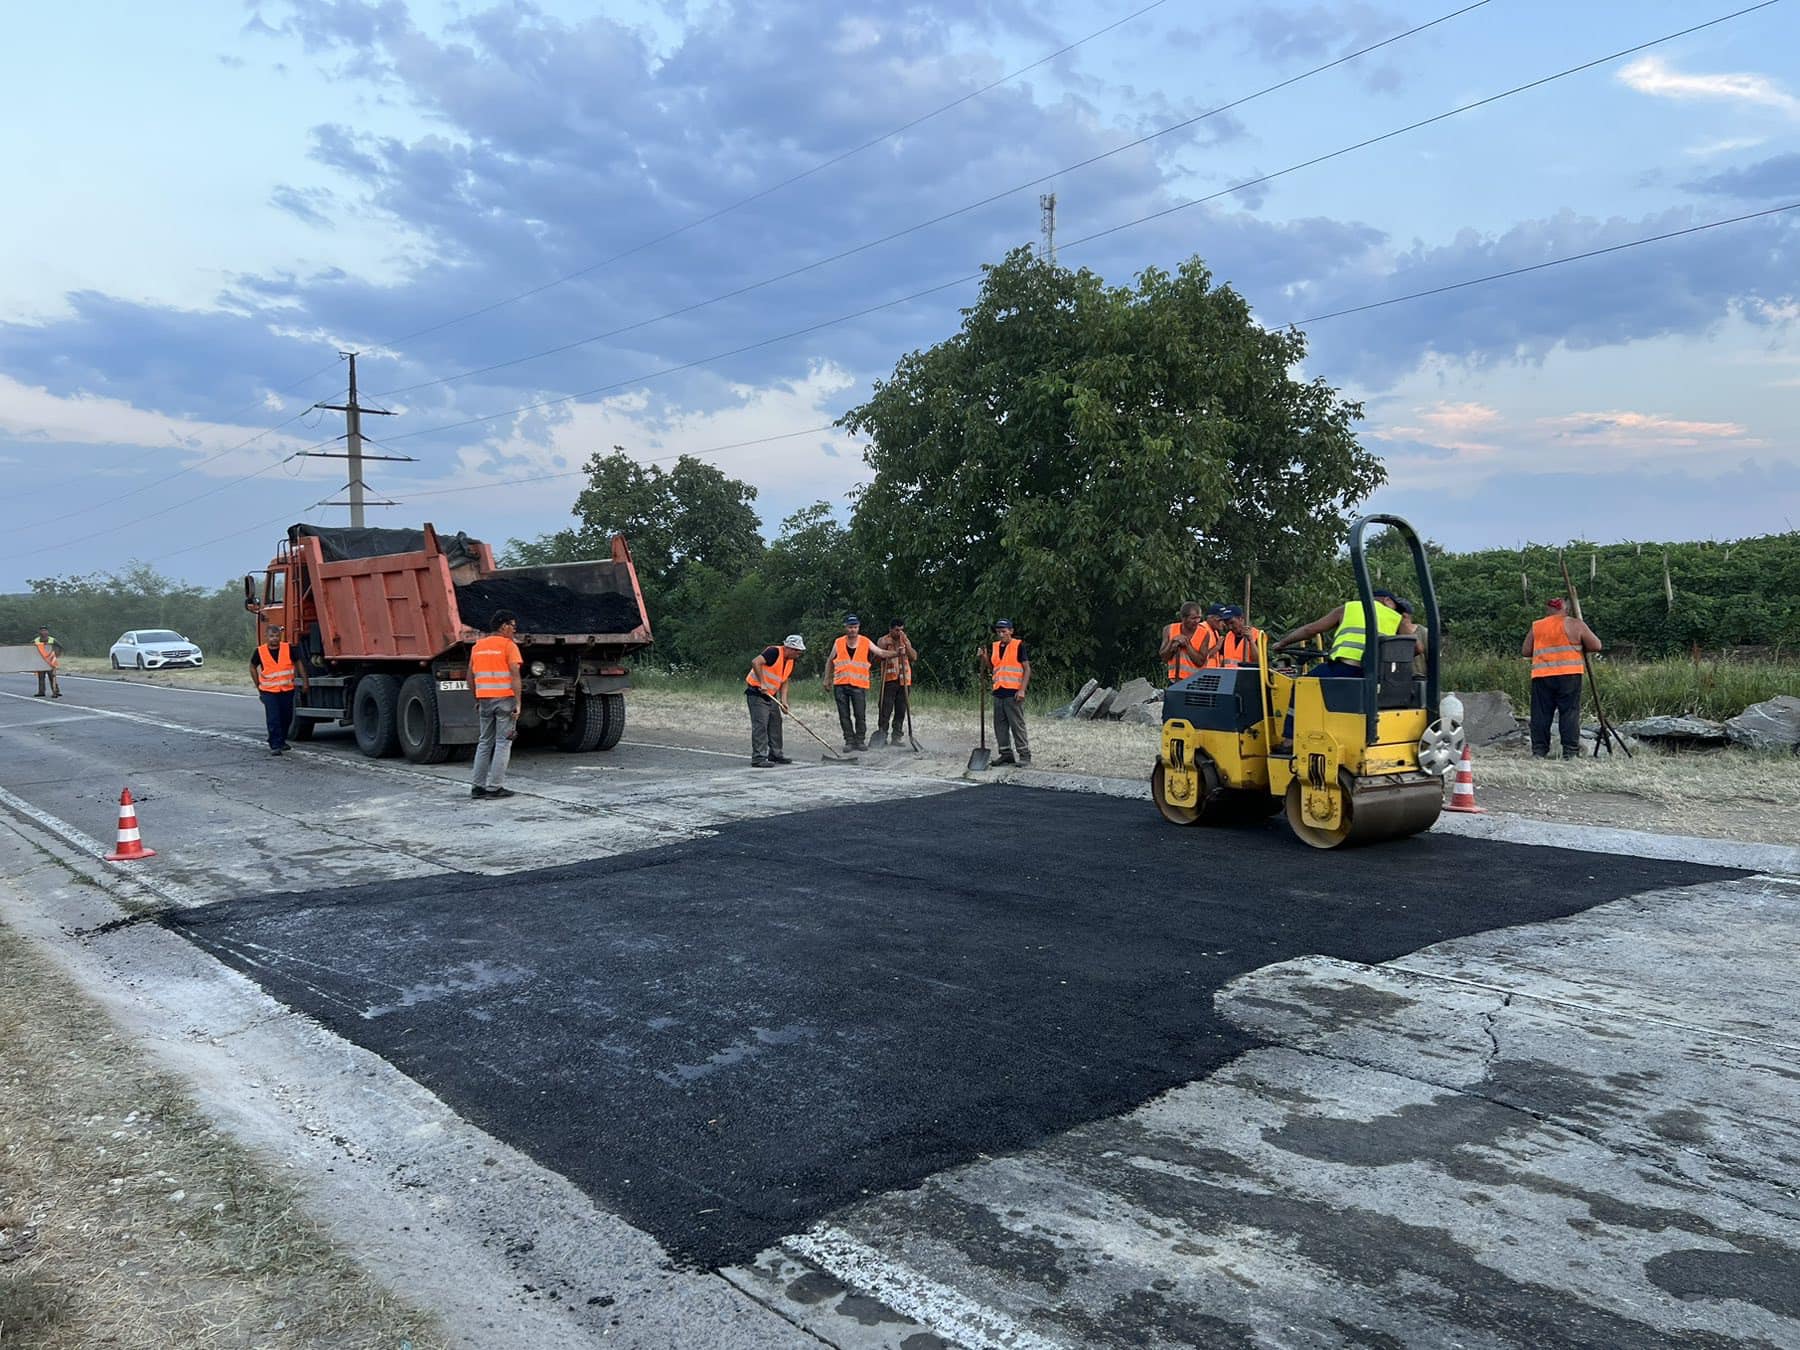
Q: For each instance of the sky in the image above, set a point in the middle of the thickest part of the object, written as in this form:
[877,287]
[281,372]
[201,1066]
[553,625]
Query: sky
[719,223]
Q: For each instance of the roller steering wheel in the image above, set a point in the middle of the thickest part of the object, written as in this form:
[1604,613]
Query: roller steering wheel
[1294,658]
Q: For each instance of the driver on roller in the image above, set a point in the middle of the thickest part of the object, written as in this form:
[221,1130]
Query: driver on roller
[1349,627]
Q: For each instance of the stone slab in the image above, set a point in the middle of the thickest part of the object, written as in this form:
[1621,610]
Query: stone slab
[1771,725]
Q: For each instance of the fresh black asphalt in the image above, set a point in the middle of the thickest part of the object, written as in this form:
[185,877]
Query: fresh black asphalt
[725,1040]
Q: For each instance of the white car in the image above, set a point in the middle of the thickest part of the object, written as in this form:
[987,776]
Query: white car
[154,649]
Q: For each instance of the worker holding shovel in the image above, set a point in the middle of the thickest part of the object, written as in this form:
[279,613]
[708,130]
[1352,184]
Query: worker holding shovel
[766,693]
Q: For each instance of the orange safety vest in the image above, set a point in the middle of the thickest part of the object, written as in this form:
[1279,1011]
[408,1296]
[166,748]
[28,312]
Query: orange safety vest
[1182,665]
[1233,648]
[769,679]
[46,654]
[848,668]
[897,669]
[1552,650]
[490,665]
[1009,670]
[276,676]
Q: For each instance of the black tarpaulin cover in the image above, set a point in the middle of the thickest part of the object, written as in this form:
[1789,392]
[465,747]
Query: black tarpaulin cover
[342,543]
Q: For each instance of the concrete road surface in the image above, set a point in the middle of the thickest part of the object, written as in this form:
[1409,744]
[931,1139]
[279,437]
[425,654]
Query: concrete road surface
[667,1051]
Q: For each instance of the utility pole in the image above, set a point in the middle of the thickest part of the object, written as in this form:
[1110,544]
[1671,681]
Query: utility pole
[1047,206]
[353,439]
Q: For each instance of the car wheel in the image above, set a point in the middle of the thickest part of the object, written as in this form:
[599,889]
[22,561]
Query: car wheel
[114,658]
[140,661]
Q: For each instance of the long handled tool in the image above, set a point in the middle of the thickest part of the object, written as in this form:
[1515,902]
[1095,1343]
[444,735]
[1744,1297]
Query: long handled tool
[1608,734]
[829,754]
[978,757]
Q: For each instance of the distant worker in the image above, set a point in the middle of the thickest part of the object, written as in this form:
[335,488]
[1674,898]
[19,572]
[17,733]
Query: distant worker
[1010,663]
[49,651]
[1241,642]
[1349,628]
[494,665]
[847,674]
[896,685]
[1189,645]
[272,667]
[1555,644]
[766,693]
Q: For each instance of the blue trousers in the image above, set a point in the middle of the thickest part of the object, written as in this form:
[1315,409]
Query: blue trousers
[278,711]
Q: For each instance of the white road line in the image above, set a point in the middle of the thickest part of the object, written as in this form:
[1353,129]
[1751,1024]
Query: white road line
[47,722]
[167,892]
[905,1290]
[171,688]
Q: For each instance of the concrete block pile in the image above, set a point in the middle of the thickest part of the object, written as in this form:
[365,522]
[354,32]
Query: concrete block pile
[1135,701]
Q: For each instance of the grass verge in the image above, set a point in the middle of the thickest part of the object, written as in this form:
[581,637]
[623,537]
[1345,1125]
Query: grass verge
[126,1218]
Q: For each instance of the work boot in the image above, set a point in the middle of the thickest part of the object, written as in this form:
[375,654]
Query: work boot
[1024,761]
[39,694]
[762,763]
[1005,757]
[501,792]
[478,792]
[780,759]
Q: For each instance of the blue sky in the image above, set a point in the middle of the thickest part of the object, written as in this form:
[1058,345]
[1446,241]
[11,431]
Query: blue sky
[219,201]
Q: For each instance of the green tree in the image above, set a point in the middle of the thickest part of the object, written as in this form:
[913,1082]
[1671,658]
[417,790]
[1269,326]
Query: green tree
[1082,458]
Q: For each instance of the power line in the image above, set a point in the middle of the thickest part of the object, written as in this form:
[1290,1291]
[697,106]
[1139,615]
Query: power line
[1087,238]
[939,219]
[773,188]
[1539,267]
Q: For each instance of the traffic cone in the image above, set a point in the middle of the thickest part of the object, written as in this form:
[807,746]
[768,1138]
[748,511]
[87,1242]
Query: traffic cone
[131,844]
[1462,795]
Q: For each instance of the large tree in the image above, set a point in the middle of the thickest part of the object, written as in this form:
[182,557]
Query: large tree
[1081,458]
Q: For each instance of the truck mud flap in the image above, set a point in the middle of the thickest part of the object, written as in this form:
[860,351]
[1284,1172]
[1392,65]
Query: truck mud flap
[605,684]
[457,724]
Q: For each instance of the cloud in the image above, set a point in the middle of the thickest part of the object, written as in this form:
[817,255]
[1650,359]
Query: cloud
[306,204]
[1449,426]
[1775,177]
[1639,431]
[1654,76]
[1707,149]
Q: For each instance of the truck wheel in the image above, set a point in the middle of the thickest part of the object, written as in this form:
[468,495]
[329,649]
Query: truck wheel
[300,728]
[615,720]
[373,716]
[589,727]
[420,733]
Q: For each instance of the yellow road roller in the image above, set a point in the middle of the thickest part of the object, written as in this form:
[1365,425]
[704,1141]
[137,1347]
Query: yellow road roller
[1368,753]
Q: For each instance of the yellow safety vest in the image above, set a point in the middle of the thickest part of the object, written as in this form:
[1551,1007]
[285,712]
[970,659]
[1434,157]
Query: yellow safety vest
[1351,641]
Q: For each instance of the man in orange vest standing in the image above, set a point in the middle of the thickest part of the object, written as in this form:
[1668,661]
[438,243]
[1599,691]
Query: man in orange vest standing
[1239,644]
[1189,645]
[272,667]
[765,690]
[1555,644]
[1010,662]
[494,664]
[49,651]
[847,675]
[896,685]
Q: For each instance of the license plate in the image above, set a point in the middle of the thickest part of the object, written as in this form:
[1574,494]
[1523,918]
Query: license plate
[453,686]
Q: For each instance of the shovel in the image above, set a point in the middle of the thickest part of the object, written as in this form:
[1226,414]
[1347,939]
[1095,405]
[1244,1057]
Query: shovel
[830,754]
[917,748]
[978,757]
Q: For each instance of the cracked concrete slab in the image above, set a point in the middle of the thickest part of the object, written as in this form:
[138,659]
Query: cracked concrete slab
[1552,1135]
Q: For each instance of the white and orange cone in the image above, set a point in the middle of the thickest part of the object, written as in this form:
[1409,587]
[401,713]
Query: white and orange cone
[131,843]
[1462,795]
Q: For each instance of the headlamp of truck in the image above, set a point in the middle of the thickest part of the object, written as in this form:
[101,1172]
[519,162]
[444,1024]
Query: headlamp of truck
[538,668]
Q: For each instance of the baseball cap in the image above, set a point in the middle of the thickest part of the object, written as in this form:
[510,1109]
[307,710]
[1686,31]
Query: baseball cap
[795,641]
[1231,611]
[1213,611]
[1382,593]
[1003,623]
[852,619]
[1405,605]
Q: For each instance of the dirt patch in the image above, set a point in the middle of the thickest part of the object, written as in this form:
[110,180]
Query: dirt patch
[127,1219]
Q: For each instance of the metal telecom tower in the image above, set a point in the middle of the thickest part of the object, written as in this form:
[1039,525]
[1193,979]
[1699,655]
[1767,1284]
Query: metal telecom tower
[353,438]
[1047,205]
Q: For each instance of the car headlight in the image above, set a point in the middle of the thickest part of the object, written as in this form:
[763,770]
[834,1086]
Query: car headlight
[538,668]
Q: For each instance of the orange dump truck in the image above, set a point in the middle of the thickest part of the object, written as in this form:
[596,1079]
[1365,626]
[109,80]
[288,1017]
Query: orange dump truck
[381,622]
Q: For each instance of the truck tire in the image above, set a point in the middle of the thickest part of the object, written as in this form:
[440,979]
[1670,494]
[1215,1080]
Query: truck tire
[300,728]
[588,728]
[615,720]
[373,710]
[421,734]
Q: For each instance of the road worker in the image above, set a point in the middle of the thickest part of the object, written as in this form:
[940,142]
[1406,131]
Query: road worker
[766,693]
[1239,644]
[49,651]
[1555,644]
[272,667]
[896,685]
[1349,628]
[847,674]
[1189,645]
[1009,661]
[494,665]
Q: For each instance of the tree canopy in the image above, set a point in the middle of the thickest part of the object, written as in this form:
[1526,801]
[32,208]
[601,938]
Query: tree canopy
[1081,458]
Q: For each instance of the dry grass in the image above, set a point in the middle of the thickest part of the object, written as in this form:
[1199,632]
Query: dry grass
[127,1219]
[227,675]
[1720,776]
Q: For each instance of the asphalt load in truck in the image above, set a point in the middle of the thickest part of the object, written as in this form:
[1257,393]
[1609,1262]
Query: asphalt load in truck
[545,607]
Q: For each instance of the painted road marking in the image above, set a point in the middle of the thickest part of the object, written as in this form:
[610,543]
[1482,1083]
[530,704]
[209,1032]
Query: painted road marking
[166,892]
[143,684]
[48,721]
